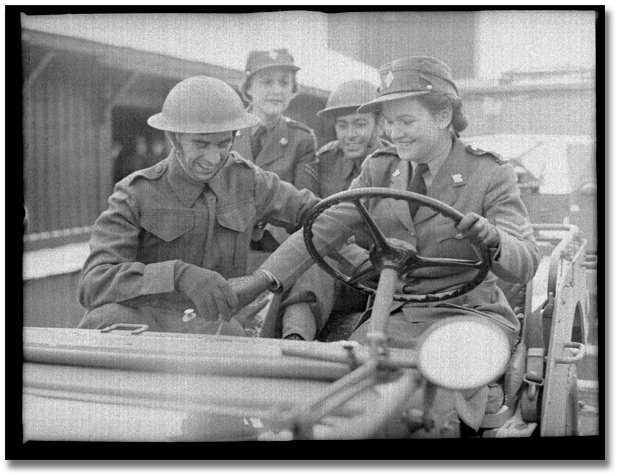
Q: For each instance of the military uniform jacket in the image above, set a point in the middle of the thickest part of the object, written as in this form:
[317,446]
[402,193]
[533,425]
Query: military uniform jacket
[160,216]
[337,172]
[469,180]
[289,151]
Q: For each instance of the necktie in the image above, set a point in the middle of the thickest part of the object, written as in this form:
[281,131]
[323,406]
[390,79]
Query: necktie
[257,142]
[417,185]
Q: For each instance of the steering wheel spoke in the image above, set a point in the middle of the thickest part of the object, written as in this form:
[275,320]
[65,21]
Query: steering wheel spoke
[446,262]
[363,275]
[378,238]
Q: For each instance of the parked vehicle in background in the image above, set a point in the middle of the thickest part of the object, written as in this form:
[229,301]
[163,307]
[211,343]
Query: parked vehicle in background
[557,177]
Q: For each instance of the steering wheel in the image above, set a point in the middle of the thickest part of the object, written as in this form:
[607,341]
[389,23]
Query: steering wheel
[392,252]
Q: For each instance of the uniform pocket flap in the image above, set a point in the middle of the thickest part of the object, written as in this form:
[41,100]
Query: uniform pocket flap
[447,230]
[167,224]
[237,217]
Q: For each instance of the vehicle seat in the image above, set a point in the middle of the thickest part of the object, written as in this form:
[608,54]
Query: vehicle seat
[513,382]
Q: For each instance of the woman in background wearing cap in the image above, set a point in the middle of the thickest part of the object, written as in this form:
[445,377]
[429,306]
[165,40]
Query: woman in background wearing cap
[277,144]
[423,115]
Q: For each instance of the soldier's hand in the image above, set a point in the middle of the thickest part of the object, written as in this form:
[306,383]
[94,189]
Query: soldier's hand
[249,287]
[478,230]
[212,295]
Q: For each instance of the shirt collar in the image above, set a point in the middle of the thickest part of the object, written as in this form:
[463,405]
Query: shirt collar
[268,128]
[184,186]
[434,165]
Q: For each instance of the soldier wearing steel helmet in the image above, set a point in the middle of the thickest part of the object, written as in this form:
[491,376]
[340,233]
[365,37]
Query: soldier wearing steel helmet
[357,135]
[315,295]
[175,232]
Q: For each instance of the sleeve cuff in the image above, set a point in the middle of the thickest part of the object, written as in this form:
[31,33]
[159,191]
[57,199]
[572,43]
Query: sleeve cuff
[276,284]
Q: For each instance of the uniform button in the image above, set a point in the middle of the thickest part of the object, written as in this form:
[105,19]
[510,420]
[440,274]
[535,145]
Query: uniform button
[459,236]
[283,141]
[158,168]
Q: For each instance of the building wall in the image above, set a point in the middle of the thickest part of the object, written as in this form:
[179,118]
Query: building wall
[562,110]
[66,175]
[376,38]
[72,103]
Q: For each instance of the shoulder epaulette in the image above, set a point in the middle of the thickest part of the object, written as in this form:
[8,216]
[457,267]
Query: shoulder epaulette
[150,173]
[389,150]
[497,157]
[237,158]
[298,125]
[333,145]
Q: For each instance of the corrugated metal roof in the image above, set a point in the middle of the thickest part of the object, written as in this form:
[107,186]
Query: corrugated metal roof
[221,39]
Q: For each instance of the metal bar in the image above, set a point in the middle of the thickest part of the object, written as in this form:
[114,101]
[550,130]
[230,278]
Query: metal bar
[397,359]
[376,416]
[260,366]
[337,394]
[556,255]
[381,311]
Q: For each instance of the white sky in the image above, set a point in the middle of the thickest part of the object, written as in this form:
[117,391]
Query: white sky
[518,40]
[535,40]
[222,39]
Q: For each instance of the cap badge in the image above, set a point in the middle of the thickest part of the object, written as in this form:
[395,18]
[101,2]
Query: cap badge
[457,178]
[273,55]
[396,173]
[389,77]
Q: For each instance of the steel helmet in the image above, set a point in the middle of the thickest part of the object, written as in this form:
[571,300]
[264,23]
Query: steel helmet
[202,105]
[348,97]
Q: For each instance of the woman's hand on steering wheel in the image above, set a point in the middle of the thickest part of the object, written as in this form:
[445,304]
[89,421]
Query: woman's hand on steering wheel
[477,230]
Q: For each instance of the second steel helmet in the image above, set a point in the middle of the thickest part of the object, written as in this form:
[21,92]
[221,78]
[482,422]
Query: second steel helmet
[348,97]
[202,105]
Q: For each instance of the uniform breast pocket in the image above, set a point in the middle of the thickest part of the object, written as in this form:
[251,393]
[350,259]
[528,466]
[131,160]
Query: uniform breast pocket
[235,227]
[167,235]
[450,243]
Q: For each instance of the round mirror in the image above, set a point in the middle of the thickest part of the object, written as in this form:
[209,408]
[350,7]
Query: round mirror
[463,353]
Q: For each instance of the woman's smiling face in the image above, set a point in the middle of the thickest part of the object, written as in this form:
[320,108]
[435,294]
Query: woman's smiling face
[415,132]
[271,91]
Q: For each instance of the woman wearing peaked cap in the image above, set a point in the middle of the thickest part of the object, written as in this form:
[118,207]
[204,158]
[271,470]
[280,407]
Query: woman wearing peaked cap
[423,115]
[277,144]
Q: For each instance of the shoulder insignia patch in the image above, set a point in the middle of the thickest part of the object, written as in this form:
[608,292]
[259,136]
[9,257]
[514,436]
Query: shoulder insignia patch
[497,157]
